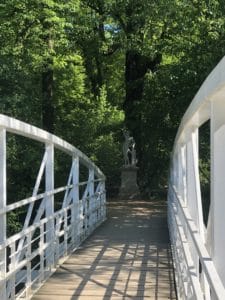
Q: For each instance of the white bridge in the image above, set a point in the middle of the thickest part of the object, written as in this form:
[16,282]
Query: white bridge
[199,250]
[30,257]
[48,236]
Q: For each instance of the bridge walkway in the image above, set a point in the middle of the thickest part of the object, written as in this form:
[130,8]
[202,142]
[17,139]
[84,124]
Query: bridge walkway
[128,257]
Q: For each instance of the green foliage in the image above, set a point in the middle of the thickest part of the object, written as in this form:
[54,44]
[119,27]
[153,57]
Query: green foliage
[107,154]
[86,45]
[13,223]
[191,46]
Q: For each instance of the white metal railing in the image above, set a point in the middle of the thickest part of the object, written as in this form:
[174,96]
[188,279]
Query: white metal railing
[29,257]
[199,251]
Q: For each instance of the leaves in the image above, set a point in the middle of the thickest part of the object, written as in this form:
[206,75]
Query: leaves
[111,60]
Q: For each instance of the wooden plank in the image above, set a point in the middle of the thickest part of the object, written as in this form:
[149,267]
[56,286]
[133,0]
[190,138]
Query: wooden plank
[114,265]
[153,297]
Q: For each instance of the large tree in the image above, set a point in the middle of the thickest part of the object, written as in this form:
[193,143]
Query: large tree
[72,66]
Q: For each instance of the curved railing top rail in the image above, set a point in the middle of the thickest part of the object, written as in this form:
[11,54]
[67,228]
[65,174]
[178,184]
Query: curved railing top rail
[197,246]
[27,130]
[199,110]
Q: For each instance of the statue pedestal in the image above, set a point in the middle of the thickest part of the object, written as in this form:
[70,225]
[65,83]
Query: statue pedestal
[129,188]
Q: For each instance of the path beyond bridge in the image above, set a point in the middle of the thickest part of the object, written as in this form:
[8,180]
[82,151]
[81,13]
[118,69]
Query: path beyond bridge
[127,257]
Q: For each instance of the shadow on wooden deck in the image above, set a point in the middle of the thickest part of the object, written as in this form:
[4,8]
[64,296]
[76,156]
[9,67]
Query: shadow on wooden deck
[128,257]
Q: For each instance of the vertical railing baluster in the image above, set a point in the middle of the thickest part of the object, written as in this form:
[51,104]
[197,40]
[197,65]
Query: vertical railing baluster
[65,228]
[20,254]
[215,232]
[101,204]
[184,173]
[98,203]
[195,150]
[41,246]
[200,222]
[85,205]
[75,207]
[3,216]
[192,191]
[179,171]
[184,181]
[28,258]
[49,186]
[91,189]
[81,220]
[12,268]
[104,200]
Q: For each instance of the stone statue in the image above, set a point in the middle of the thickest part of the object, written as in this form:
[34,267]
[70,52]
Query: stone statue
[133,154]
[129,188]
[129,152]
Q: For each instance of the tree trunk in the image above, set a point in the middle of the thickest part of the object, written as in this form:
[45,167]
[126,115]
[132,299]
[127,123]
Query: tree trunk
[47,99]
[136,67]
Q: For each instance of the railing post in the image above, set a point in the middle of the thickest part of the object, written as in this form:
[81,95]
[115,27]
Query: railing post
[193,191]
[103,201]
[75,208]
[179,171]
[49,186]
[65,228]
[91,189]
[29,271]
[2,216]
[216,216]
[41,245]
[12,267]
[26,258]
[184,172]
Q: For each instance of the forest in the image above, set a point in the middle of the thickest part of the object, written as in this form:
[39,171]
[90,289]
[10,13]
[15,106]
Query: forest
[86,69]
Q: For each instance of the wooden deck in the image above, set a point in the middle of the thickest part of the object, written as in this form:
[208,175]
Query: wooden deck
[128,257]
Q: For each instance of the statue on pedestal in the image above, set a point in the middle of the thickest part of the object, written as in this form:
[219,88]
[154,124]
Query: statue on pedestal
[129,152]
[129,188]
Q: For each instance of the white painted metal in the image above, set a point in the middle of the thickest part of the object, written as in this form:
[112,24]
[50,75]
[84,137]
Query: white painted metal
[75,212]
[3,216]
[218,188]
[49,205]
[91,200]
[199,251]
[49,236]
[32,132]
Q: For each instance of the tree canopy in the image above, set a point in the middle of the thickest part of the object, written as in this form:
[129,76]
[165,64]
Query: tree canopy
[86,69]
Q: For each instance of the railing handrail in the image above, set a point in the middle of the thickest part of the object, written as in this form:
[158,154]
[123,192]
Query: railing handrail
[206,261]
[198,111]
[196,246]
[21,128]
[56,219]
